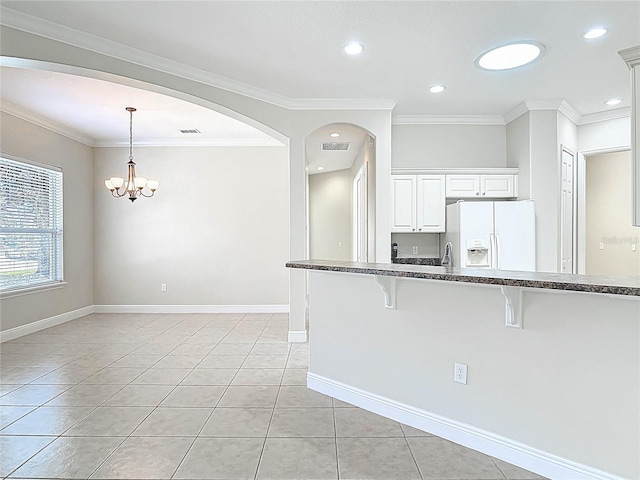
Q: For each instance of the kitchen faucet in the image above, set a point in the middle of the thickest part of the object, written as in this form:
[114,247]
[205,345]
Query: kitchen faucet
[446,259]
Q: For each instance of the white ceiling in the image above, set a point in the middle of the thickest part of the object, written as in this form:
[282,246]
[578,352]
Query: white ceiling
[93,111]
[291,52]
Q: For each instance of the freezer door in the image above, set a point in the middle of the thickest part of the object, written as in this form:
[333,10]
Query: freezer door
[515,235]
[476,229]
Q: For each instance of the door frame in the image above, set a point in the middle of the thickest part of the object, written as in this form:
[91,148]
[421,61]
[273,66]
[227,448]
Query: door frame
[581,196]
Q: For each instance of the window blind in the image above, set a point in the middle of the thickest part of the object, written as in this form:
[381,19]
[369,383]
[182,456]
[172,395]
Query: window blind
[30,225]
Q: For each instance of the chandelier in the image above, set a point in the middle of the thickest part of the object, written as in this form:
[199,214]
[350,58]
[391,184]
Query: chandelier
[134,186]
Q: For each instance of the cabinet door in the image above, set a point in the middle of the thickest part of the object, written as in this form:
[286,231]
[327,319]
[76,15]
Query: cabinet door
[430,203]
[403,203]
[497,186]
[463,186]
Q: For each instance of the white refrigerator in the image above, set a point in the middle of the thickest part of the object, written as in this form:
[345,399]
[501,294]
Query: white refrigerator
[497,235]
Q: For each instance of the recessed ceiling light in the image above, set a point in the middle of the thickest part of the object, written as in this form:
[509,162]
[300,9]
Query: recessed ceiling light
[353,48]
[596,32]
[510,56]
[437,89]
[334,134]
[613,101]
[320,168]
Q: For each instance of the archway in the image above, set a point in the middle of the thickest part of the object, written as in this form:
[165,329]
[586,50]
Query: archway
[340,159]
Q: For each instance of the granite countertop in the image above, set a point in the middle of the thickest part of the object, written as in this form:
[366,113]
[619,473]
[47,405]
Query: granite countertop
[434,262]
[629,286]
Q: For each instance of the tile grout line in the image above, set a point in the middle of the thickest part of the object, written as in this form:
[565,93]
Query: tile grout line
[266,435]
[219,399]
[415,462]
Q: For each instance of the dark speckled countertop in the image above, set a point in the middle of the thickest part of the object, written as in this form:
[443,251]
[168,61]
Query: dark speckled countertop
[629,286]
[434,262]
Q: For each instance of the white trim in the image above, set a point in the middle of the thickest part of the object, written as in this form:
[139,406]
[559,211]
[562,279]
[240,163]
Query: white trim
[454,171]
[40,121]
[489,443]
[18,292]
[191,308]
[38,325]
[193,142]
[567,110]
[614,114]
[76,38]
[631,55]
[297,336]
[515,112]
[447,120]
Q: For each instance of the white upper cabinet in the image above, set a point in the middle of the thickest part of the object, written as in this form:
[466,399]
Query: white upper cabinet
[463,186]
[481,186]
[431,205]
[403,203]
[418,203]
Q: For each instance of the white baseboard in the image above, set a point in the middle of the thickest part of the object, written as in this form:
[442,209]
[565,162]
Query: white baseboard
[297,336]
[36,326]
[489,443]
[191,308]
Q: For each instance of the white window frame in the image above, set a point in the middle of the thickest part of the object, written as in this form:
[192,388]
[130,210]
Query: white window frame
[55,181]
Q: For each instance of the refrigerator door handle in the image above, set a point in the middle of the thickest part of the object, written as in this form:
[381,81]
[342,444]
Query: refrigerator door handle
[497,237]
[492,259]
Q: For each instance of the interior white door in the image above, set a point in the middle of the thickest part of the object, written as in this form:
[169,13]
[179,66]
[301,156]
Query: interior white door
[515,235]
[567,238]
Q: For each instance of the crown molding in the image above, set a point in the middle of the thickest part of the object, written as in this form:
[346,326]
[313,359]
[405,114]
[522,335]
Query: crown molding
[616,113]
[44,122]
[631,55]
[76,38]
[447,120]
[565,108]
[213,142]
[570,112]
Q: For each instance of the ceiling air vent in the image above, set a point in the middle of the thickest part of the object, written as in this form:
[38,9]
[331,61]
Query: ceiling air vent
[190,131]
[336,146]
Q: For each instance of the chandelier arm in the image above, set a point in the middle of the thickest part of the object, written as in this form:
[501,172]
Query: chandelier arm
[116,193]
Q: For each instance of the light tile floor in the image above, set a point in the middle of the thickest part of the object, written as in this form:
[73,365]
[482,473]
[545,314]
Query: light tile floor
[199,396]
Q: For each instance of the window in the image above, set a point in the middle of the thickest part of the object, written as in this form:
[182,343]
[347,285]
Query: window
[30,225]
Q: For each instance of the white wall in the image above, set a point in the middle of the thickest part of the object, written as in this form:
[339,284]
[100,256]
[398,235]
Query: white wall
[545,187]
[216,232]
[330,225]
[606,135]
[519,153]
[608,217]
[26,140]
[448,146]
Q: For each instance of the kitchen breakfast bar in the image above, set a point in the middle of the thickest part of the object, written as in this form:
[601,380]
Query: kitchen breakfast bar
[553,360]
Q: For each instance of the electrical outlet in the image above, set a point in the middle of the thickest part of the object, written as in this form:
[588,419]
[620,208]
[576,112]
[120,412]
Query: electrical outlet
[460,373]
[163,287]
[601,245]
[633,247]
[415,249]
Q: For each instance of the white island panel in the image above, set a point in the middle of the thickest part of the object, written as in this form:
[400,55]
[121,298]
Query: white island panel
[560,397]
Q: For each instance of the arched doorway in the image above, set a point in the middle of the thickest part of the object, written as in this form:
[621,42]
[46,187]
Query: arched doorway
[340,159]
